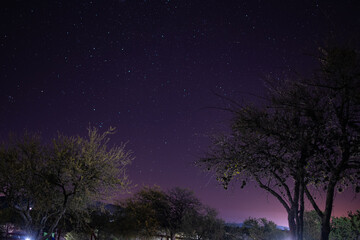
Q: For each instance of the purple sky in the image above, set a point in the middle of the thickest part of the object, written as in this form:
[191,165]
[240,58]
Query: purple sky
[149,68]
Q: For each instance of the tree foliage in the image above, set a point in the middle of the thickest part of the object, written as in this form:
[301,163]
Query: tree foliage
[346,227]
[45,182]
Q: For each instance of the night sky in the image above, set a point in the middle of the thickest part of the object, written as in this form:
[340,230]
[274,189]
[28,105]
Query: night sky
[150,68]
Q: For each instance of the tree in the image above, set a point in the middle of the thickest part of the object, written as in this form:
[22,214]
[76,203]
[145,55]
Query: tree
[334,163]
[183,203]
[262,229]
[346,227]
[307,135]
[101,222]
[269,145]
[9,220]
[152,212]
[100,225]
[145,214]
[233,232]
[203,225]
[44,182]
[312,225]
[338,152]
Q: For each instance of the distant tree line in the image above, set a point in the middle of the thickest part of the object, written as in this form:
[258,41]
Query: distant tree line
[255,229]
[175,214]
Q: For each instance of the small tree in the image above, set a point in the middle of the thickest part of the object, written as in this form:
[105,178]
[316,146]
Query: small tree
[312,225]
[183,203]
[43,182]
[152,212]
[346,227]
[203,225]
[232,232]
[145,214]
[262,229]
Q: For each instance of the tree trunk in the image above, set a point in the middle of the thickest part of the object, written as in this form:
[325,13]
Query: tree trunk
[7,231]
[325,230]
[172,236]
[295,207]
[325,221]
[292,226]
[58,234]
[300,223]
[292,210]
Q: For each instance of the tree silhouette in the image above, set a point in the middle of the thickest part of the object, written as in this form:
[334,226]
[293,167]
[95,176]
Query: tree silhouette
[306,135]
[338,152]
[269,145]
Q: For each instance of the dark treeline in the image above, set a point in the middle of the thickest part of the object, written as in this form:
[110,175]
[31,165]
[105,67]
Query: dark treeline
[153,213]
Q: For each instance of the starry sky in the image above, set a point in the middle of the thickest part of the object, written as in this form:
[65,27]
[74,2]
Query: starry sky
[150,68]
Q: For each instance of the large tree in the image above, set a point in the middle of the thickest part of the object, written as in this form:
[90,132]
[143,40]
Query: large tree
[334,163]
[270,146]
[45,181]
[338,152]
[306,135]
